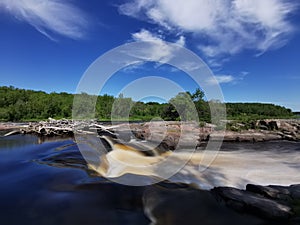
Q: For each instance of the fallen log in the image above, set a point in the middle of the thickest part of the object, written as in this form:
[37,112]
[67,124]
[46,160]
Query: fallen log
[12,133]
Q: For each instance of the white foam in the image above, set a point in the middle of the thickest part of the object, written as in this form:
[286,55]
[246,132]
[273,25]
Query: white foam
[235,169]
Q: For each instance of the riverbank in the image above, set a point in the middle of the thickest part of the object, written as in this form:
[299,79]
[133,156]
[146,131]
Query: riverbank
[169,133]
[187,133]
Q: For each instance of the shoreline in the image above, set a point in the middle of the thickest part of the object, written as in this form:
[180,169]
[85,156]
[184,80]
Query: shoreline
[172,131]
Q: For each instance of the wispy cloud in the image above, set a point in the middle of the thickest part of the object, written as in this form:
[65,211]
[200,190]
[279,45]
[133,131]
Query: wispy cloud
[132,67]
[220,79]
[228,26]
[226,78]
[162,52]
[49,16]
[146,35]
[159,50]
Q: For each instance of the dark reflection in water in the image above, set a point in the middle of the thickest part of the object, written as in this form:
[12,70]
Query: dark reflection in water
[50,183]
[273,146]
[21,141]
[16,141]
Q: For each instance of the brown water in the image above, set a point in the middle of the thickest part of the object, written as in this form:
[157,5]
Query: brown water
[50,183]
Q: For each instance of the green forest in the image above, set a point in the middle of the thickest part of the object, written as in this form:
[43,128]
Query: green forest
[28,105]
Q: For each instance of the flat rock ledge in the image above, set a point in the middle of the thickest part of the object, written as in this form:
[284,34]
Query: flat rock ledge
[275,203]
[188,133]
[176,204]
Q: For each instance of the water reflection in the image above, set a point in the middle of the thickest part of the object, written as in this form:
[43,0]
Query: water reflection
[21,141]
[16,141]
[50,183]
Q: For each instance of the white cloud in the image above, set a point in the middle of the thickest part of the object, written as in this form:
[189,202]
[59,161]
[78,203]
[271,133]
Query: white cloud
[227,26]
[244,73]
[49,16]
[133,66]
[223,79]
[181,41]
[145,35]
[220,79]
[159,50]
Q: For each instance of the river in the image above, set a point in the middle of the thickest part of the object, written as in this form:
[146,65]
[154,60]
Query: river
[48,182]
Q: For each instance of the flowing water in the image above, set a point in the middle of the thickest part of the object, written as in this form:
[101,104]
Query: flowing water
[49,182]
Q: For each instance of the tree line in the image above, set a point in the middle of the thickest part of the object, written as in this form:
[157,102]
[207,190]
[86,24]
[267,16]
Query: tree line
[25,105]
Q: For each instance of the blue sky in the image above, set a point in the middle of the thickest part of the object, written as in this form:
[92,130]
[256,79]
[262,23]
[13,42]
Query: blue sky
[252,46]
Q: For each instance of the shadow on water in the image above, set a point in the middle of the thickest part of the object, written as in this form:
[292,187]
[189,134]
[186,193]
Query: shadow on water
[50,183]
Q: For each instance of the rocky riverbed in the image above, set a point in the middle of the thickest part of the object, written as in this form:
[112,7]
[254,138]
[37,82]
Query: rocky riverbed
[168,133]
[263,130]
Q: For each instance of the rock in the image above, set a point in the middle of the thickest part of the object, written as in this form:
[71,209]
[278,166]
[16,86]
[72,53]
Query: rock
[287,126]
[274,192]
[262,127]
[169,135]
[170,203]
[249,202]
[160,131]
[186,205]
[289,137]
[263,124]
[169,143]
[248,136]
[273,125]
[295,191]
[267,125]
[295,221]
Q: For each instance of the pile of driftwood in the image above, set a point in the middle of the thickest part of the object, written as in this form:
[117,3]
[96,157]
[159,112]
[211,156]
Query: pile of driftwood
[62,127]
[51,127]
